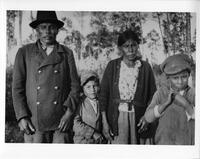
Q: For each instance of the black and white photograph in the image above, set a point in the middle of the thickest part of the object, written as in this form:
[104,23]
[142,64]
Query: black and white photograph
[124,80]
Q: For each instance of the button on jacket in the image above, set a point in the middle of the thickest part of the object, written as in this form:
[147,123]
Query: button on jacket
[44,86]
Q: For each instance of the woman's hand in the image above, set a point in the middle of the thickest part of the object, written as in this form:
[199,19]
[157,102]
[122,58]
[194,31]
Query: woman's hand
[106,128]
[143,124]
[107,132]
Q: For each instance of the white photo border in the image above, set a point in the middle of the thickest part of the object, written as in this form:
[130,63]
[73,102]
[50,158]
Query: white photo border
[97,151]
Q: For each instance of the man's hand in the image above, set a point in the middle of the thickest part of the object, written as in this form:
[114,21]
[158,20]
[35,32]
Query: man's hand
[65,121]
[26,126]
[143,124]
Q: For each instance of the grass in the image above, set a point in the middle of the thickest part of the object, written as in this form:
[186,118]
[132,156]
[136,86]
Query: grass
[12,133]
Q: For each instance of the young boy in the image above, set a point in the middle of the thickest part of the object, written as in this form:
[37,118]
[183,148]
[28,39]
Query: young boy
[87,122]
[174,106]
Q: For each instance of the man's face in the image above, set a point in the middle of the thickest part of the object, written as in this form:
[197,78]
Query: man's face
[47,33]
[179,81]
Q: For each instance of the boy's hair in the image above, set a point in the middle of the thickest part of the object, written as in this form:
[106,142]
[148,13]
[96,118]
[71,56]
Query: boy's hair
[93,78]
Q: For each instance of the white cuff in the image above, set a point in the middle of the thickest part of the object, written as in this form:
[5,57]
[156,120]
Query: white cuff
[189,117]
[156,112]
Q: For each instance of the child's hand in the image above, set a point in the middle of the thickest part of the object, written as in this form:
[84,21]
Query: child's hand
[170,98]
[181,101]
[98,137]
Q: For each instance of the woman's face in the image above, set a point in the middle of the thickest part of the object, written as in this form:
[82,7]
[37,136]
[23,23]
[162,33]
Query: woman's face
[130,49]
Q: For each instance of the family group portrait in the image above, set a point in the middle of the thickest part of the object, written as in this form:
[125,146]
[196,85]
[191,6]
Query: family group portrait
[100,77]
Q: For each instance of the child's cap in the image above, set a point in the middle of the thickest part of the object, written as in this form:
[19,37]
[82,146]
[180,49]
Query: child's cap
[85,75]
[175,64]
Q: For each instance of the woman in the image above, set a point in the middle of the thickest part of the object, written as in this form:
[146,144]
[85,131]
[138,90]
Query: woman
[126,89]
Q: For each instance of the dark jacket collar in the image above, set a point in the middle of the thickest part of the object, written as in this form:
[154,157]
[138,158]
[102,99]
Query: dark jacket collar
[53,58]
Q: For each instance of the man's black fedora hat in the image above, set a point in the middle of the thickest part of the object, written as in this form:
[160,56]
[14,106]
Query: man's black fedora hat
[46,17]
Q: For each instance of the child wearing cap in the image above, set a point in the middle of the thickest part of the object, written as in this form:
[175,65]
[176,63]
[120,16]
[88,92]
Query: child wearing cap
[87,122]
[173,106]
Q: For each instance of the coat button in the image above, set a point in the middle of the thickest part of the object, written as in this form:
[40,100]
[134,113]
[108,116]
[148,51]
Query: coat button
[55,102]
[38,88]
[38,103]
[39,71]
[56,87]
[55,71]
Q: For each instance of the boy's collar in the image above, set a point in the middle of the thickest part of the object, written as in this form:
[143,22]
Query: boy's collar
[92,100]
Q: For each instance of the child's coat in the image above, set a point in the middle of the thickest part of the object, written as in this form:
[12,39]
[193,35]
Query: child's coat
[86,122]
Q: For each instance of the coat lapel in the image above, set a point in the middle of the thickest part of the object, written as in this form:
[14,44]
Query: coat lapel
[53,58]
[36,55]
[90,109]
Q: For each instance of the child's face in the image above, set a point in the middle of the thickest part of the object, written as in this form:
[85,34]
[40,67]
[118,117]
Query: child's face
[91,89]
[179,81]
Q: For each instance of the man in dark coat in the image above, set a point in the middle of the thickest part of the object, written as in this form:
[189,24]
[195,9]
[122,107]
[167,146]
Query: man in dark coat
[45,84]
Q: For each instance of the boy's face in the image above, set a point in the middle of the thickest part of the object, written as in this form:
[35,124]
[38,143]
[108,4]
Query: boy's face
[91,89]
[179,81]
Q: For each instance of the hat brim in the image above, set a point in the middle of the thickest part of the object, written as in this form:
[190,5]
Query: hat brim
[35,23]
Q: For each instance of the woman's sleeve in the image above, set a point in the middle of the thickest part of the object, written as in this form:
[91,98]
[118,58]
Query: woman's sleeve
[151,84]
[104,89]
[73,97]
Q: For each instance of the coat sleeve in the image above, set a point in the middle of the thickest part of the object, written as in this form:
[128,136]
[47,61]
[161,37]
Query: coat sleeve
[80,127]
[19,86]
[149,114]
[104,89]
[151,84]
[73,97]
